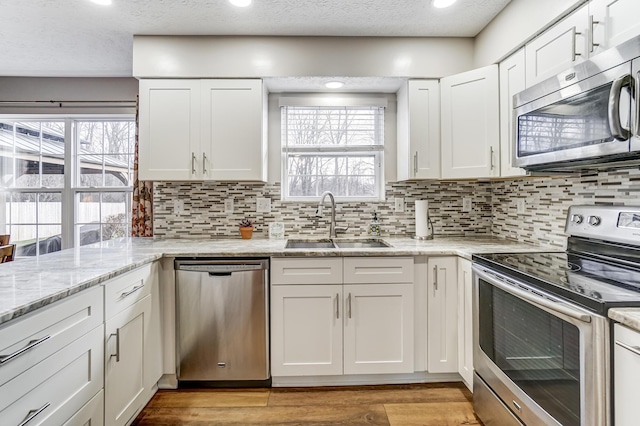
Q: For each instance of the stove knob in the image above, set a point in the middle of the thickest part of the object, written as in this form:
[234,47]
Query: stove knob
[576,218]
[593,220]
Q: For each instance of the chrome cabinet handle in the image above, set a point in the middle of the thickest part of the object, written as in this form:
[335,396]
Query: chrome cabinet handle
[117,354]
[204,163]
[615,126]
[133,290]
[337,305]
[435,280]
[349,301]
[33,413]
[415,164]
[592,45]
[635,90]
[632,349]
[491,155]
[32,344]
[573,44]
[193,163]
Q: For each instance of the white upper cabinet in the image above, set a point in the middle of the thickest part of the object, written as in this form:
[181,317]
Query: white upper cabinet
[202,130]
[169,134]
[512,81]
[233,121]
[470,124]
[419,130]
[612,22]
[559,48]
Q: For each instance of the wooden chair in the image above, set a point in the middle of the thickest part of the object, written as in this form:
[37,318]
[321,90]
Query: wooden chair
[7,252]
[4,240]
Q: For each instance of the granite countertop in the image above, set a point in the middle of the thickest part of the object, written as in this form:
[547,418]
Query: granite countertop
[28,284]
[626,316]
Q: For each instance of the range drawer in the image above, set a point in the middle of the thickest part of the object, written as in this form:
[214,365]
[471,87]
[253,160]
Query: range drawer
[378,270]
[53,390]
[34,337]
[305,270]
[125,290]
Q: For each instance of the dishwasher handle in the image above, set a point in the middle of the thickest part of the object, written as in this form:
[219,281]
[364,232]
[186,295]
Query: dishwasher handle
[221,268]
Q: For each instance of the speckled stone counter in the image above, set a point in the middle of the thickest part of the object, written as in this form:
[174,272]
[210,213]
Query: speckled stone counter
[28,284]
[626,316]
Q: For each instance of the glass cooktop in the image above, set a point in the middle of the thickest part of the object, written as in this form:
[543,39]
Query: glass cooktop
[593,283]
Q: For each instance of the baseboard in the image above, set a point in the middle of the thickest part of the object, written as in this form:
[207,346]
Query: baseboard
[360,380]
[168,381]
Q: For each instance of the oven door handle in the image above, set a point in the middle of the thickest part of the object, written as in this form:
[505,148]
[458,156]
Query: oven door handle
[555,305]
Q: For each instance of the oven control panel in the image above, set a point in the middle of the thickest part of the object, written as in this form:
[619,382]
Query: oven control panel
[611,223]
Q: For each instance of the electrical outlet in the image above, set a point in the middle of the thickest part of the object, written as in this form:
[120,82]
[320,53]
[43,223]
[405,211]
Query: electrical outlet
[399,204]
[228,205]
[466,205]
[178,206]
[520,206]
[263,205]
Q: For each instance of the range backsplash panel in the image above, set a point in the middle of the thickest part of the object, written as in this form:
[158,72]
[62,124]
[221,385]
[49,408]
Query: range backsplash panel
[203,215]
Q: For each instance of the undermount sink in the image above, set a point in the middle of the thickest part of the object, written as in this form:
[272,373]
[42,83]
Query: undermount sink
[331,244]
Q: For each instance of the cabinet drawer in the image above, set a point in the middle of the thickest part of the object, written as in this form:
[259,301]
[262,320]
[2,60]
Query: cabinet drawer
[125,290]
[92,414]
[57,387]
[55,326]
[302,270]
[378,270]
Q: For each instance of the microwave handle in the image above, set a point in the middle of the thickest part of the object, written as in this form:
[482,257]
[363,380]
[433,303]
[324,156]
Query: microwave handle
[617,131]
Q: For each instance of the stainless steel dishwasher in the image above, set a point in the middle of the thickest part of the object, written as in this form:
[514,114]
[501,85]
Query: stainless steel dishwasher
[222,314]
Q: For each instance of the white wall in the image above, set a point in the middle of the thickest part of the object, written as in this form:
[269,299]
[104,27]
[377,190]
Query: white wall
[275,145]
[519,22]
[237,57]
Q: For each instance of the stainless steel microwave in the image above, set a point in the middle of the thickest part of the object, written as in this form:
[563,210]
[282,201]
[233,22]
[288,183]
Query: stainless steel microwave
[584,118]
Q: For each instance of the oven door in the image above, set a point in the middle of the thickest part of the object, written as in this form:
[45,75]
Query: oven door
[585,121]
[545,359]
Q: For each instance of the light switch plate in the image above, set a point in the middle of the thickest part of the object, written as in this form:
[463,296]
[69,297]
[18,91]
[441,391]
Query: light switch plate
[228,205]
[399,204]
[466,205]
[263,205]
[520,206]
[178,206]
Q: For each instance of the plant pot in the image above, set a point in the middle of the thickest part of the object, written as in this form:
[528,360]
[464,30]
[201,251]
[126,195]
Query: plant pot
[246,233]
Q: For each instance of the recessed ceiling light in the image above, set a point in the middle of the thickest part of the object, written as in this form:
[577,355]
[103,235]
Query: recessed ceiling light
[102,2]
[240,3]
[333,84]
[443,3]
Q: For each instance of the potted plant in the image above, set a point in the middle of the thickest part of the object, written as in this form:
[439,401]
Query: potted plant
[246,228]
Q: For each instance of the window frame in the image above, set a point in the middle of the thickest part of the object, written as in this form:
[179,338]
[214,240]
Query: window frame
[376,150]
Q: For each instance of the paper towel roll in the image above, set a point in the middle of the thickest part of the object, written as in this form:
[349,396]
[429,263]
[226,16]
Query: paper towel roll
[422,221]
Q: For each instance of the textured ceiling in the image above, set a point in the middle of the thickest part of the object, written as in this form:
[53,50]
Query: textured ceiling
[80,38]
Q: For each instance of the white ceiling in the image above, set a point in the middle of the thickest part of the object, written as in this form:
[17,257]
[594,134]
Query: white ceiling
[79,38]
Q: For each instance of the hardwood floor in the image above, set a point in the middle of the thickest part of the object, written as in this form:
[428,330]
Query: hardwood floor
[440,404]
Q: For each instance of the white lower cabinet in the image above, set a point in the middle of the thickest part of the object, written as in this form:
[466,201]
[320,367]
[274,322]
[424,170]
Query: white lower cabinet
[306,330]
[626,365]
[360,327]
[442,315]
[92,414]
[465,322]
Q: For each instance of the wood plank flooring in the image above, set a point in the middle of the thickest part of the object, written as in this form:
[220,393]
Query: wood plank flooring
[440,404]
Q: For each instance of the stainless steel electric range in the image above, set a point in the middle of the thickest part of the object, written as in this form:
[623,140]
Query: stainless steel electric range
[541,333]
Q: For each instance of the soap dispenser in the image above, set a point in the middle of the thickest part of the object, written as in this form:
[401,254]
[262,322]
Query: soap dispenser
[374,226]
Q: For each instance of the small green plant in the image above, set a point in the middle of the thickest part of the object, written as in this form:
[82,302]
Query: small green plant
[246,223]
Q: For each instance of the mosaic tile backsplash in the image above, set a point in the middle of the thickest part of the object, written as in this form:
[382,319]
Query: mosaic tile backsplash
[494,207]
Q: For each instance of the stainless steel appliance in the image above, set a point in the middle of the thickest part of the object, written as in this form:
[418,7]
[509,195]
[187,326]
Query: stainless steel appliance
[222,315]
[585,117]
[541,333]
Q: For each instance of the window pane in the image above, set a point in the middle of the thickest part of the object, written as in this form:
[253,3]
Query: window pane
[115,230]
[114,206]
[24,237]
[91,137]
[302,165]
[361,186]
[89,207]
[362,166]
[50,208]
[118,169]
[23,208]
[302,186]
[119,138]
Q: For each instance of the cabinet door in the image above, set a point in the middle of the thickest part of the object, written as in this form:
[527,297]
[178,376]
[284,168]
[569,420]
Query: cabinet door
[124,363]
[465,322]
[169,134]
[419,130]
[470,124]
[378,328]
[627,374]
[233,143]
[306,330]
[559,48]
[512,81]
[612,22]
[442,311]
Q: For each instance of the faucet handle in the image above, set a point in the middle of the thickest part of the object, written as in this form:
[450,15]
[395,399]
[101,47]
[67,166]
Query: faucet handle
[343,230]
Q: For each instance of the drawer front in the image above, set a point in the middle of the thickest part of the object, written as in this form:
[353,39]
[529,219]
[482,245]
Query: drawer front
[57,387]
[54,326]
[125,290]
[378,270]
[92,414]
[303,270]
